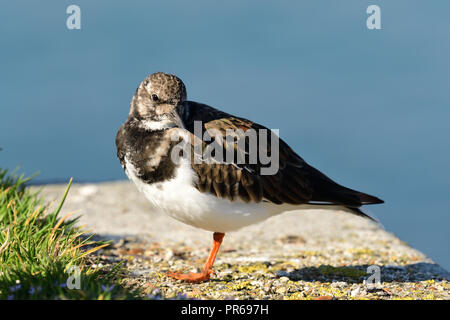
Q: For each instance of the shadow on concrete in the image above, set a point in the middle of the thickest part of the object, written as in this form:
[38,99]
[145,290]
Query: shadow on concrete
[357,274]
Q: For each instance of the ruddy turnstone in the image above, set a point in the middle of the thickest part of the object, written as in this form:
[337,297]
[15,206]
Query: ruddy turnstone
[210,193]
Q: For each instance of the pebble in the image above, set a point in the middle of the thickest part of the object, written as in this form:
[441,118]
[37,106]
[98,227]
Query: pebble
[169,254]
[355,292]
[267,288]
[339,284]
[281,290]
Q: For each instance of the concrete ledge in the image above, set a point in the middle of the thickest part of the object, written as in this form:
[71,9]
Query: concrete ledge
[297,255]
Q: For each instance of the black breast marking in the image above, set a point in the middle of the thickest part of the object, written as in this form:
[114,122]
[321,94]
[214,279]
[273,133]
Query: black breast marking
[148,151]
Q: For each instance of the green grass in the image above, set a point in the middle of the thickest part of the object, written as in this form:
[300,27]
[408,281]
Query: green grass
[38,247]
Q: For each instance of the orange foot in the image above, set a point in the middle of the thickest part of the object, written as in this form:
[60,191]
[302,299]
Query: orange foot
[191,276]
[207,268]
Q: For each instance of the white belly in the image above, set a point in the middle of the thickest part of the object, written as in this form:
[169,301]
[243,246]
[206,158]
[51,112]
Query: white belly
[179,199]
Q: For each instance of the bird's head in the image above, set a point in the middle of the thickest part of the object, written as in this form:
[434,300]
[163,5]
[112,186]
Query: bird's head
[157,99]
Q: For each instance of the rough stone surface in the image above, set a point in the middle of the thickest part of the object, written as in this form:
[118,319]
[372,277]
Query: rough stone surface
[296,255]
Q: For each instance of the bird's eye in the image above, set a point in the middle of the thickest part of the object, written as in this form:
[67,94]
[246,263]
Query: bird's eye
[155,97]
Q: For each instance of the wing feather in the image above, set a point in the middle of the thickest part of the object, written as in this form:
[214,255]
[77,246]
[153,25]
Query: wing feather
[295,182]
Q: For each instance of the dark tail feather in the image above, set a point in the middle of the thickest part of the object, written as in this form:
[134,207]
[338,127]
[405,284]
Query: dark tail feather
[368,199]
[327,190]
[364,199]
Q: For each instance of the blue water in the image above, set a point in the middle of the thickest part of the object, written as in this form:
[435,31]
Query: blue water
[370,108]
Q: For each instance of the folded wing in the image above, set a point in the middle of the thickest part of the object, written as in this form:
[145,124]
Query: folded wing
[295,182]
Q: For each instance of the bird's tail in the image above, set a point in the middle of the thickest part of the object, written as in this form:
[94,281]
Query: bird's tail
[364,199]
[368,199]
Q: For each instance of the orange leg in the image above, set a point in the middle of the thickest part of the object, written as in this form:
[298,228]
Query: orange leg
[207,268]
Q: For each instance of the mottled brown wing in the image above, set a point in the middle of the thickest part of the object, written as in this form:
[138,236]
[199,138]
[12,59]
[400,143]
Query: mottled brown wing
[295,182]
[234,179]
